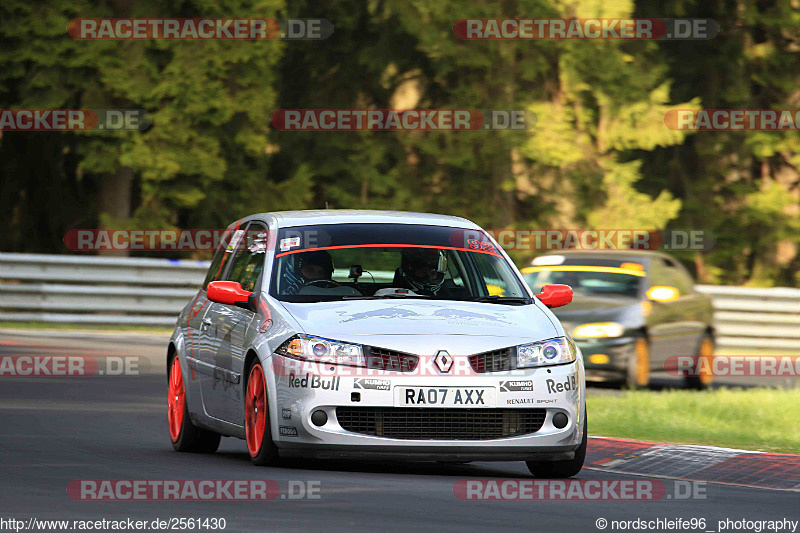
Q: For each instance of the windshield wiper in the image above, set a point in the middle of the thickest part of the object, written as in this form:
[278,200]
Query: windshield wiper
[495,299]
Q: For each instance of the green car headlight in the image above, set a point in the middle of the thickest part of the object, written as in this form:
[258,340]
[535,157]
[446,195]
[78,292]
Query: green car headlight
[598,330]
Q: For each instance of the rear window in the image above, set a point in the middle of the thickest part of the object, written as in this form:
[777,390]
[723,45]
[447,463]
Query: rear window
[599,280]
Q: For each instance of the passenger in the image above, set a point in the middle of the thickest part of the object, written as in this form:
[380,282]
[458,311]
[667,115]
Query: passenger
[308,267]
[420,270]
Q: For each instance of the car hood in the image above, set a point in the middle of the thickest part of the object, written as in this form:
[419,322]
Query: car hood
[594,309]
[343,320]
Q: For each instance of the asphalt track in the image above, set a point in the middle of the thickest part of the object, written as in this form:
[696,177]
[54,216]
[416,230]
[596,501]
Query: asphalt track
[54,430]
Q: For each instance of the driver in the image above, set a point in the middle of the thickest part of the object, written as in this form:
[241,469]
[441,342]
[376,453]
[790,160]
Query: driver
[308,267]
[421,270]
[316,265]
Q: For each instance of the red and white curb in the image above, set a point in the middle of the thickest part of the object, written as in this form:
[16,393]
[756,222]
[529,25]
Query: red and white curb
[696,463]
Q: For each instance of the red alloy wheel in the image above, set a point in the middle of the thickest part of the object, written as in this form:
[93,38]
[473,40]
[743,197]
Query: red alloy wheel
[176,401]
[255,410]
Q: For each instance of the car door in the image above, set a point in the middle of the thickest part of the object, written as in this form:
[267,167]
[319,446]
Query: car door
[203,362]
[222,394]
[197,333]
[690,312]
[664,322]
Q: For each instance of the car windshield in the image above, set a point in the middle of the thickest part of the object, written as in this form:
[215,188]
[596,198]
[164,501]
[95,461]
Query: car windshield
[587,279]
[357,261]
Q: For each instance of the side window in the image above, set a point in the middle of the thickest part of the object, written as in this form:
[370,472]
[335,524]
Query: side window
[658,273]
[220,260]
[683,281]
[497,281]
[454,270]
[674,276]
[248,262]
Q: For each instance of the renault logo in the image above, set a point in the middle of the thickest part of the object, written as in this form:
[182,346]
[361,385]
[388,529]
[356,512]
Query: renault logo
[443,360]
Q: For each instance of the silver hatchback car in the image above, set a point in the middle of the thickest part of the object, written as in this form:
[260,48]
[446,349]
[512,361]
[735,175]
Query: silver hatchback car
[372,334]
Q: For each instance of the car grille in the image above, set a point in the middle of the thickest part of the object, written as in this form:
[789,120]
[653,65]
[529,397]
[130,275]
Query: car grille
[495,361]
[383,359]
[411,423]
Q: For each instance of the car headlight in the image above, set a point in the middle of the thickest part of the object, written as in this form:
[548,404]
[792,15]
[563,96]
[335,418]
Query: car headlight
[551,352]
[599,330]
[322,350]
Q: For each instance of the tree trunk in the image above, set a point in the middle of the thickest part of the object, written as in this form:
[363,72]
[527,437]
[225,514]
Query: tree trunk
[114,199]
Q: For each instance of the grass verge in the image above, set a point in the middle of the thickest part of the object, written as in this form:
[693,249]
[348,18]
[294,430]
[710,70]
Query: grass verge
[760,419]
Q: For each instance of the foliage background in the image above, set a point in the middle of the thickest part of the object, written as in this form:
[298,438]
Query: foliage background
[600,156]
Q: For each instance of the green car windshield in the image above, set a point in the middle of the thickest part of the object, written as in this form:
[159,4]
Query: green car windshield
[597,280]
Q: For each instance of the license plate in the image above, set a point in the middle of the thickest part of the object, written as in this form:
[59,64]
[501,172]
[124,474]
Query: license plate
[444,396]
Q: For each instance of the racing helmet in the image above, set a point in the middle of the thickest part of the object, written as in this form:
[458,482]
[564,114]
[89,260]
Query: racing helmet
[319,258]
[423,268]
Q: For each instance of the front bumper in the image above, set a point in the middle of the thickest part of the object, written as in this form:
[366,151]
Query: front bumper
[411,452]
[551,390]
[606,359]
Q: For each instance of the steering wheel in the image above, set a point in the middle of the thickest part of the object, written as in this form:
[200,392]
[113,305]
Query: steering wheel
[329,283]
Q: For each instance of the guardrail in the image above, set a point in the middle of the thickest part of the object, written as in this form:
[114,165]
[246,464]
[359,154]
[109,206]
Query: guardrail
[151,292]
[96,290]
[757,319]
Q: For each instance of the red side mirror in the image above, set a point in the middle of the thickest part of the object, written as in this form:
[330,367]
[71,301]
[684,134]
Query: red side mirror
[555,295]
[227,292]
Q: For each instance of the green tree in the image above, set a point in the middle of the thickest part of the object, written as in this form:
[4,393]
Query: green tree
[742,186]
[209,102]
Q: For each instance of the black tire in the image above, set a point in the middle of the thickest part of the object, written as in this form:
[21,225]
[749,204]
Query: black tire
[267,452]
[191,438]
[696,381]
[196,440]
[562,469]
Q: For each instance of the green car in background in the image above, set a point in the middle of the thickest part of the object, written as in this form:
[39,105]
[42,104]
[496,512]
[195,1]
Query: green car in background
[631,312]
